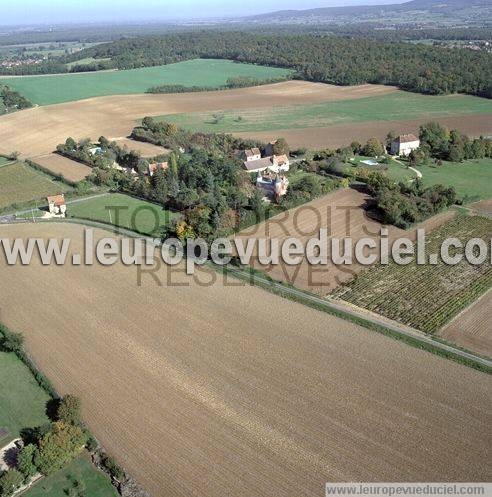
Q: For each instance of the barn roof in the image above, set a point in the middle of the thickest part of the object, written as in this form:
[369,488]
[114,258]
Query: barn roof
[56,199]
[407,138]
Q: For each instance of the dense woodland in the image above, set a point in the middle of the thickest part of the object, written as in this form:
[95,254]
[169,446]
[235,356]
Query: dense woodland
[324,58]
[327,59]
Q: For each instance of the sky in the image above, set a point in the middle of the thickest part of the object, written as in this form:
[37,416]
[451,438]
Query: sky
[62,11]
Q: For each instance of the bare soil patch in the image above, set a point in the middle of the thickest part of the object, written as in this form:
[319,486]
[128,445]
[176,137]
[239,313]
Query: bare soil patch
[145,149]
[37,131]
[68,168]
[472,329]
[222,390]
[344,214]
[341,135]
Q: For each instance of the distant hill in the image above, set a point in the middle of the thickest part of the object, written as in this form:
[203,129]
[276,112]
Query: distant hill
[415,11]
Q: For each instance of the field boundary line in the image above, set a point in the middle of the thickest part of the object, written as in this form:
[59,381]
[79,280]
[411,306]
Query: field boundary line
[466,309]
[410,336]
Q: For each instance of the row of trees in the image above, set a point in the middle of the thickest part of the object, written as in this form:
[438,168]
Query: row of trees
[439,142]
[236,82]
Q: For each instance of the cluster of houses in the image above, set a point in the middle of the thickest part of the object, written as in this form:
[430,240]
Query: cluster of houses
[269,168]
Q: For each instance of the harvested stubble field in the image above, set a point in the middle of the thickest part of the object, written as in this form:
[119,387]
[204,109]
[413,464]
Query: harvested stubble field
[426,296]
[145,149]
[39,130]
[68,168]
[472,329]
[341,134]
[344,214]
[228,390]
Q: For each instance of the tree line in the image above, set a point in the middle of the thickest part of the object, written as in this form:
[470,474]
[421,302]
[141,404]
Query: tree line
[321,57]
[328,59]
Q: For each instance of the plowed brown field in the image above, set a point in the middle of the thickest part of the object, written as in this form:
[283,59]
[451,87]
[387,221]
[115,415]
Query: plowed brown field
[145,149]
[472,329]
[343,214]
[231,391]
[340,135]
[68,168]
[37,131]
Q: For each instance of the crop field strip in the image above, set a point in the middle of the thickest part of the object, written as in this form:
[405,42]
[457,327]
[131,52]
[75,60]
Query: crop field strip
[397,106]
[36,132]
[472,329]
[238,390]
[425,297]
[21,183]
[57,164]
[338,135]
[53,89]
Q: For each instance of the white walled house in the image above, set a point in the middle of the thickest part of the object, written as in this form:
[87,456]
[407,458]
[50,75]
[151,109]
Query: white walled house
[276,163]
[57,205]
[251,154]
[404,144]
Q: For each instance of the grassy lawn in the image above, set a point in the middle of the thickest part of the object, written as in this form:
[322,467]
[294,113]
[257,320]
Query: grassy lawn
[45,90]
[22,400]
[396,106]
[472,179]
[137,215]
[21,183]
[425,296]
[81,476]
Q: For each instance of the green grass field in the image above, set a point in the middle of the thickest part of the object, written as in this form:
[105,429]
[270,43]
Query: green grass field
[392,107]
[137,215]
[425,296]
[45,90]
[22,400]
[471,179]
[78,478]
[21,183]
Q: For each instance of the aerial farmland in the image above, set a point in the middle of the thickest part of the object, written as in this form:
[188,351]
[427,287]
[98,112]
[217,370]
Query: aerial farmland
[328,149]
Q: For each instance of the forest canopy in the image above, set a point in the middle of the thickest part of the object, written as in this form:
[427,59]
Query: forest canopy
[328,59]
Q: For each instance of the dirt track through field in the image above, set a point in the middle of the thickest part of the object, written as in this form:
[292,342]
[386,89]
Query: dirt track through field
[231,391]
[37,131]
[472,329]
